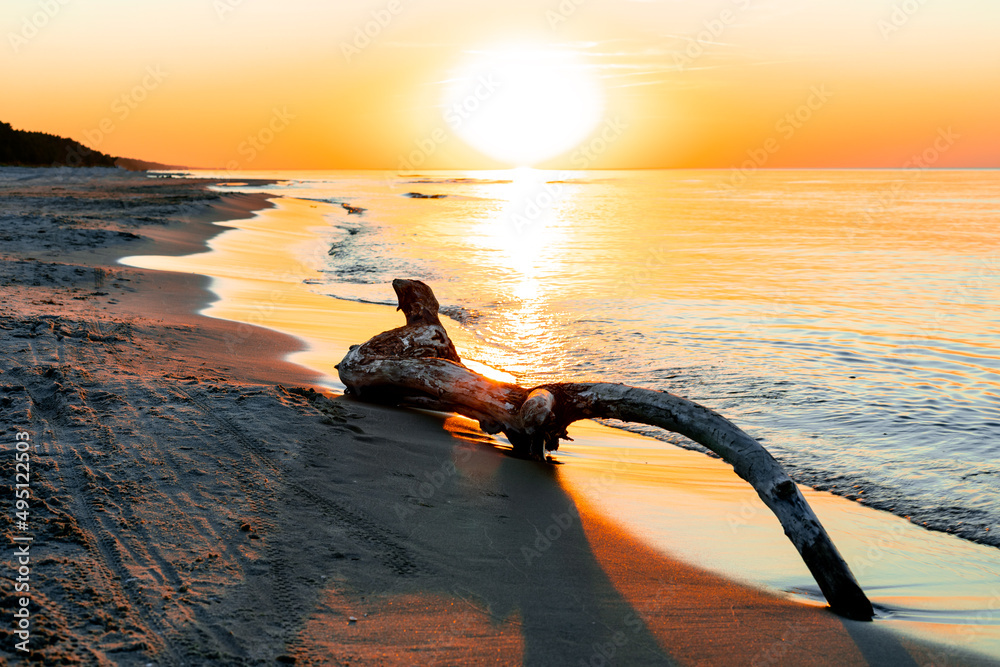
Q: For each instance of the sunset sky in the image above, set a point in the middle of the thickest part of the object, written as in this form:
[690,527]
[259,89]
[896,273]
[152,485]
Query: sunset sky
[592,83]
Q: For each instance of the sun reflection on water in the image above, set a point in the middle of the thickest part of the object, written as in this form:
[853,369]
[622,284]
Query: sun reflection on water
[524,230]
[524,239]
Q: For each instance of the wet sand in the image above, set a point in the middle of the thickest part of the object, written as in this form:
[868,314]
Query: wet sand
[196,500]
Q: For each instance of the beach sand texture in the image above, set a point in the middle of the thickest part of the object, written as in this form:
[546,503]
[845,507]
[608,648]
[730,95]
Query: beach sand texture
[196,499]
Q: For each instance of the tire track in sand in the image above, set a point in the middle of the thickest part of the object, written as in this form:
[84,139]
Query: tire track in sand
[250,489]
[110,571]
[111,545]
[396,557]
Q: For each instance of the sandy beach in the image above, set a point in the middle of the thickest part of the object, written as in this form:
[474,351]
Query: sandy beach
[197,498]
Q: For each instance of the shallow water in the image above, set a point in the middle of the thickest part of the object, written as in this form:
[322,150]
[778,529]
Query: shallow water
[780,366]
[847,319]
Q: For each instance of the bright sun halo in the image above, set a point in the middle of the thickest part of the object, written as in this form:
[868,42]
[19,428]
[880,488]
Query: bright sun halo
[523,106]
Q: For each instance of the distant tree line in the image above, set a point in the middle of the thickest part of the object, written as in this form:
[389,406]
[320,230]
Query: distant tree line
[38,149]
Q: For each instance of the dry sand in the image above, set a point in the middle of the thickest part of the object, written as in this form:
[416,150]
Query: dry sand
[194,502]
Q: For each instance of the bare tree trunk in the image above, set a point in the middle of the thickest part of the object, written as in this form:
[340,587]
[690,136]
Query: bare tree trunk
[416,365]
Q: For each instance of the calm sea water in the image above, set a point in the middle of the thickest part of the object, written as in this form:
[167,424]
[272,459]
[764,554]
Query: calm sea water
[850,320]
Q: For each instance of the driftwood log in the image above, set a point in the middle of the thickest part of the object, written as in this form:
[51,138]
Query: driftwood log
[416,365]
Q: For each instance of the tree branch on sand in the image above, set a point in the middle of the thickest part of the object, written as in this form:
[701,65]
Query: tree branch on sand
[416,365]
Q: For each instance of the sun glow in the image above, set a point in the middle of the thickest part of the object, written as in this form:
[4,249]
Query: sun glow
[523,106]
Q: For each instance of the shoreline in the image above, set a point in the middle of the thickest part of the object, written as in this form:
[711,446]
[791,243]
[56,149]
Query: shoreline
[745,518]
[236,520]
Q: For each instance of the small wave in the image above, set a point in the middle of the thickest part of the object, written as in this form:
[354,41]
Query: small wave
[978,617]
[461,314]
[358,274]
[337,201]
[358,299]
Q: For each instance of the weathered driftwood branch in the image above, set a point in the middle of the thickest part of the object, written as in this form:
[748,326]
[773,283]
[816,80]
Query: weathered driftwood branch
[417,365]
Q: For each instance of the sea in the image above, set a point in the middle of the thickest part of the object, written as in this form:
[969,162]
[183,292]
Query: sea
[847,319]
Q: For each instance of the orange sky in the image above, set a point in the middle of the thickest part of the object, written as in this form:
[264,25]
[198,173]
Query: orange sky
[868,83]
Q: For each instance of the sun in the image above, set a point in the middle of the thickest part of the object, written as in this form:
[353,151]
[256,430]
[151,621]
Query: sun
[523,106]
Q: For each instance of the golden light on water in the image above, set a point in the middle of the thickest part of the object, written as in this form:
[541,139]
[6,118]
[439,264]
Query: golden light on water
[523,106]
[524,235]
[524,239]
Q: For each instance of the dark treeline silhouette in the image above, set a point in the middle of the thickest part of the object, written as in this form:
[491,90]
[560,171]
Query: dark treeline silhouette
[144,165]
[38,149]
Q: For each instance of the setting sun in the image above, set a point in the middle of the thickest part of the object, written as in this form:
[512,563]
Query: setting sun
[554,333]
[523,106]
